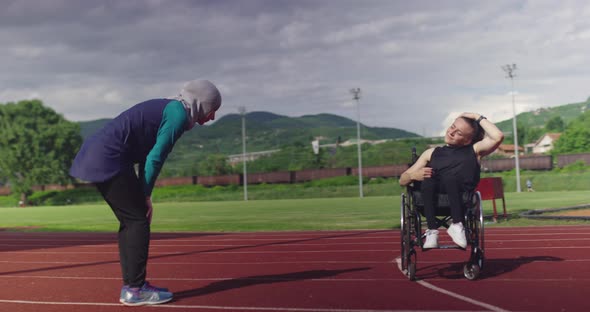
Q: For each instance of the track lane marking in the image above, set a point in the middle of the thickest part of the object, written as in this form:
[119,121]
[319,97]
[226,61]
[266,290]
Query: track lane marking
[211,307]
[524,280]
[279,244]
[204,252]
[205,278]
[155,262]
[452,294]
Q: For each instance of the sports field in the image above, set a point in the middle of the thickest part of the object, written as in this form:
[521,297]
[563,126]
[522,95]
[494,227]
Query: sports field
[323,255]
[377,213]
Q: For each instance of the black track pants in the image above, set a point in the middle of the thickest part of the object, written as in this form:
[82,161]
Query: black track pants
[443,185]
[125,196]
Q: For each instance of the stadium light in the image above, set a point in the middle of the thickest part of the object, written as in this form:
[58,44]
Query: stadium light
[356,92]
[509,69]
[242,110]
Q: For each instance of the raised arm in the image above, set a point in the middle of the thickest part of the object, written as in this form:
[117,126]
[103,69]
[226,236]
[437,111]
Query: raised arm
[418,171]
[493,136]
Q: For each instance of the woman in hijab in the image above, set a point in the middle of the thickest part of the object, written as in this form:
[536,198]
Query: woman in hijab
[143,135]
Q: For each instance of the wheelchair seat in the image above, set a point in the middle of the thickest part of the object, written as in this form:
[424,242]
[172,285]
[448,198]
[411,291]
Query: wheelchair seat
[443,207]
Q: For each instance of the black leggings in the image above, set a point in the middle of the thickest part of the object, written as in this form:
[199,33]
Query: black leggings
[441,185]
[127,200]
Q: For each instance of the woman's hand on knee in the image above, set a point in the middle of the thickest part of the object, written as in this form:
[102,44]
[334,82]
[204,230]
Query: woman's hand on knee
[150,209]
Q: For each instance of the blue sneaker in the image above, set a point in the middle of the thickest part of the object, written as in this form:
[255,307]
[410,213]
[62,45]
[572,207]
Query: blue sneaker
[146,295]
[124,290]
[146,285]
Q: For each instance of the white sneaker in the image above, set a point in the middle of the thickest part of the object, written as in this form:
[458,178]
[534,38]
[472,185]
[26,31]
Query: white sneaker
[457,232]
[431,239]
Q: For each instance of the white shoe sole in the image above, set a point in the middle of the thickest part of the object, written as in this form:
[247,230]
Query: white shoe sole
[135,304]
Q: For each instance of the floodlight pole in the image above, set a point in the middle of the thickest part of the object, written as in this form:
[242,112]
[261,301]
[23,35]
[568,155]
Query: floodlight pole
[509,69]
[356,96]
[242,110]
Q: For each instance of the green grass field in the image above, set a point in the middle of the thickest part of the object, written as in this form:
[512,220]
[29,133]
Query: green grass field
[269,215]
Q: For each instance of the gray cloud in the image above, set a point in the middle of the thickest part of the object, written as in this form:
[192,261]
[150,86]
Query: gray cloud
[417,63]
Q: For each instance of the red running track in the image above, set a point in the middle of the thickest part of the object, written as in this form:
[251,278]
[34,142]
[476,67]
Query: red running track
[527,269]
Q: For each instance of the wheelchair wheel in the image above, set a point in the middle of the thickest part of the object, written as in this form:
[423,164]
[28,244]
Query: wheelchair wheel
[475,224]
[412,259]
[478,258]
[478,248]
[481,223]
[471,271]
[404,233]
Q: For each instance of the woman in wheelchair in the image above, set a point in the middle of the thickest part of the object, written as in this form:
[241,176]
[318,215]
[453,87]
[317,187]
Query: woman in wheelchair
[453,169]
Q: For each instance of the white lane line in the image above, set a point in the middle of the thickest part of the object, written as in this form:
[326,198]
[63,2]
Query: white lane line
[510,260]
[538,248]
[320,236]
[461,297]
[351,262]
[202,252]
[214,279]
[205,252]
[278,241]
[207,278]
[526,233]
[518,248]
[155,262]
[161,245]
[278,244]
[453,294]
[208,307]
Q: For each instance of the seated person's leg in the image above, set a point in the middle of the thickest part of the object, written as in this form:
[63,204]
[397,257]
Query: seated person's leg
[429,190]
[451,186]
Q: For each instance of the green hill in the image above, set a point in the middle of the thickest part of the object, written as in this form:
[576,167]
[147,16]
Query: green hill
[265,131]
[539,117]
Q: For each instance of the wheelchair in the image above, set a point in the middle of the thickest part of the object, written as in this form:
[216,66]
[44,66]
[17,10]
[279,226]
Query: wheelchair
[412,236]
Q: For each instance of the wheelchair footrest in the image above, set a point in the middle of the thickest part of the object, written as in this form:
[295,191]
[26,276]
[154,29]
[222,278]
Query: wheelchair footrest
[445,247]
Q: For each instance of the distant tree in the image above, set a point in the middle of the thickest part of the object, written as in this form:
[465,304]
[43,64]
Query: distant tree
[576,137]
[521,129]
[532,134]
[555,124]
[215,164]
[37,146]
[526,134]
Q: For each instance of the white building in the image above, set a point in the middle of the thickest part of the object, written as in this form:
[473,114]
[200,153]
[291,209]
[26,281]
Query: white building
[239,158]
[545,143]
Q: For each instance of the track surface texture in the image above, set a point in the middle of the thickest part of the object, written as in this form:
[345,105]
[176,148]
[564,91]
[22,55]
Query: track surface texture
[526,269]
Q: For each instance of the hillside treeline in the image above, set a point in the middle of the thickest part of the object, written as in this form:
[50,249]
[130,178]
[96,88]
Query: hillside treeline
[299,156]
[37,146]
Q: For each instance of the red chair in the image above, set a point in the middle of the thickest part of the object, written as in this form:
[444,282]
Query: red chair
[492,189]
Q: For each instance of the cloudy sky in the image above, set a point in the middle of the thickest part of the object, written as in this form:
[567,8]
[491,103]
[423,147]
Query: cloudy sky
[417,63]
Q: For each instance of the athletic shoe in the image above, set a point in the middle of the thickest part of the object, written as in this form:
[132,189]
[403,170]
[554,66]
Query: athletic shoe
[146,295]
[124,290]
[431,239]
[457,233]
[146,285]
[151,287]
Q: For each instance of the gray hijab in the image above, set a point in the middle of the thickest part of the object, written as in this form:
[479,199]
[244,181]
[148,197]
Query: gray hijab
[199,95]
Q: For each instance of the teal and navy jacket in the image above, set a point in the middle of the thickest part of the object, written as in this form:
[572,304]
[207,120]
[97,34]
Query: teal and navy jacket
[143,134]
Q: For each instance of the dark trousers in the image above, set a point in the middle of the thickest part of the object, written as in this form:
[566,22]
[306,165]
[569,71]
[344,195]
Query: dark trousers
[125,196]
[441,185]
